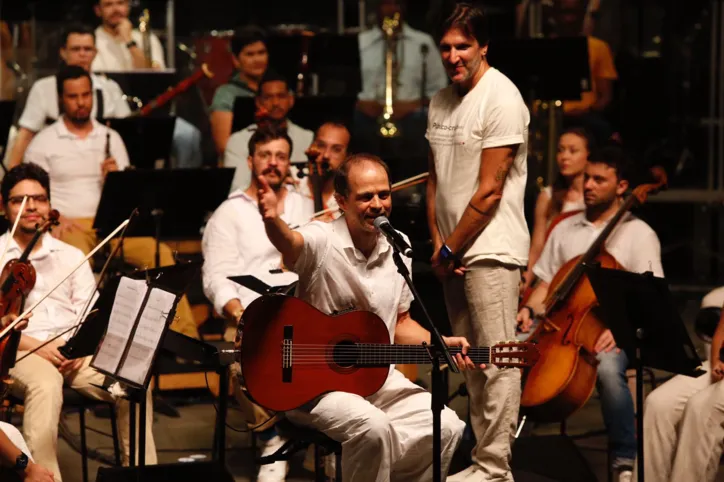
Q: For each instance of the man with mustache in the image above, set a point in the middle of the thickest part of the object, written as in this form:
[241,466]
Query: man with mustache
[635,245]
[275,98]
[478,133]
[235,243]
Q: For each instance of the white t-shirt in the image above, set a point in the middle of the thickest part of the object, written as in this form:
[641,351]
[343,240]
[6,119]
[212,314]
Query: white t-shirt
[492,114]
[633,243]
[42,101]
[74,165]
[114,56]
[235,243]
[53,261]
[334,275]
[16,438]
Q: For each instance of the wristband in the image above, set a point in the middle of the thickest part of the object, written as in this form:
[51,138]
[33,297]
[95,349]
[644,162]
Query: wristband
[531,312]
[447,254]
[21,463]
[131,44]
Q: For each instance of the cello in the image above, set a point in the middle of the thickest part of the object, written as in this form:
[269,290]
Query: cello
[564,377]
[17,280]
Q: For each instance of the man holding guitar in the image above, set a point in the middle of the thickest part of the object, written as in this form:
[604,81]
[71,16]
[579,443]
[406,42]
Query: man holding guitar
[635,246]
[348,264]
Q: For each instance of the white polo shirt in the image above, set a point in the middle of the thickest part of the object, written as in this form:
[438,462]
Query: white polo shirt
[114,56]
[235,243]
[334,275]
[492,114]
[633,243]
[74,165]
[53,261]
[42,101]
[237,151]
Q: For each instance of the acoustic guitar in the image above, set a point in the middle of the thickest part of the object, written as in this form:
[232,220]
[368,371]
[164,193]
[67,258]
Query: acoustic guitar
[291,353]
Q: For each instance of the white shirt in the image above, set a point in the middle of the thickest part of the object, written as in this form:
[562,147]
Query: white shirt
[492,114]
[114,56]
[303,188]
[53,261]
[633,243]
[334,275]
[568,206]
[74,165]
[42,101]
[235,243]
[16,438]
[237,151]
[372,49]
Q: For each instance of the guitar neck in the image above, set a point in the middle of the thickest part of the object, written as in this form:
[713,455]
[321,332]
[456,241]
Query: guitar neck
[375,355]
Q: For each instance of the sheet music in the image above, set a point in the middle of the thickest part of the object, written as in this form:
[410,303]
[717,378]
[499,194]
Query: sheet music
[129,297]
[147,336]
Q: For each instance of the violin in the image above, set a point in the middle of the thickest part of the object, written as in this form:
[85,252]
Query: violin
[564,377]
[17,280]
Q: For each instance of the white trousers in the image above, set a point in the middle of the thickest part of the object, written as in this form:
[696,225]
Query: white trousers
[385,437]
[684,430]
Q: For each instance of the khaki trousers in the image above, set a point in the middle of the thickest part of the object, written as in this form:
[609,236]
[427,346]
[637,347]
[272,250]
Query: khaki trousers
[482,307]
[684,429]
[141,253]
[39,383]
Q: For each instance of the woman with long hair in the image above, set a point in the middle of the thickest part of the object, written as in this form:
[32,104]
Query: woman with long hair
[564,195]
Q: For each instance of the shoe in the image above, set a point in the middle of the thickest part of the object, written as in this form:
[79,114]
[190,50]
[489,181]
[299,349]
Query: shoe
[625,476]
[471,474]
[276,472]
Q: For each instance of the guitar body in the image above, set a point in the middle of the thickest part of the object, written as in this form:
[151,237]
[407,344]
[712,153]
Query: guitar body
[269,319]
[564,376]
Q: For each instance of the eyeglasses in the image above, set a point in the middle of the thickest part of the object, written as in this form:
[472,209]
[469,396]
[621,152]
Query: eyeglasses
[38,198]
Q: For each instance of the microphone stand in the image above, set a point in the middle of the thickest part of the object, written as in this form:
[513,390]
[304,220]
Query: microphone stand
[435,350]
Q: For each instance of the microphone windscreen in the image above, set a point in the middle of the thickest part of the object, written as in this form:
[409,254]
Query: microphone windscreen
[380,220]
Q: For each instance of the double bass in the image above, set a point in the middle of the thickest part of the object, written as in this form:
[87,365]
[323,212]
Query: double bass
[17,280]
[564,377]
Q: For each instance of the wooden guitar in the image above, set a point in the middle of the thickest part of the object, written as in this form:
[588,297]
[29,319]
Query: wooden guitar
[291,353]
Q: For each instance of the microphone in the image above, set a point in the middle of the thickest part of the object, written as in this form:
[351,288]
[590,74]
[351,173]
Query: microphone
[382,224]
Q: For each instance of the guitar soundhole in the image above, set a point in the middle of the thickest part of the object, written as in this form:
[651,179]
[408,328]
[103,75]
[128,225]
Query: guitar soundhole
[345,354]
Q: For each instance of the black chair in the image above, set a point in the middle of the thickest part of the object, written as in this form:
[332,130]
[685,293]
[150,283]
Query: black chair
[299,438]
[74,401]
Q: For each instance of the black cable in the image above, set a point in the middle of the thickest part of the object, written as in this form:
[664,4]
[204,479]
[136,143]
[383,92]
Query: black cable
[249,429]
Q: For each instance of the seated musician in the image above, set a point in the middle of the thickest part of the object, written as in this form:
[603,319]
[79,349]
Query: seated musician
[15,458]
[120,48]
[251,58]
[276,99]
[589,111]
[42,103]
[565,195]
[348,263]
[418,76]
[73,152]
[39,378]
[235,243]
[331,142]
[635,246]
[684,423]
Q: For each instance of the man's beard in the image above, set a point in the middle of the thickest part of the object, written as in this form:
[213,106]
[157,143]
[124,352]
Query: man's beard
[79,121]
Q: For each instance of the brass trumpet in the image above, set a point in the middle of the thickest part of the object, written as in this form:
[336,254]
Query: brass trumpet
[390,27]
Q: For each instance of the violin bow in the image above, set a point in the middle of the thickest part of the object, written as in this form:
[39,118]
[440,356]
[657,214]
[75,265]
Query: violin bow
[12,231]
[87,257]
[405,183]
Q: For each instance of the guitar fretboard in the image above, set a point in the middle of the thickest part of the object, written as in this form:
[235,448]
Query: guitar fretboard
[373,354]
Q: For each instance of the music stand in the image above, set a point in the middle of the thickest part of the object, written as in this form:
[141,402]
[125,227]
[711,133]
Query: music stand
[639,311]
[167,200]
[147,139]
[7,112]
[308,112]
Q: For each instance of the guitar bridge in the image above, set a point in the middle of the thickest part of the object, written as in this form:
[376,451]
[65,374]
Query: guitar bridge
[287,354]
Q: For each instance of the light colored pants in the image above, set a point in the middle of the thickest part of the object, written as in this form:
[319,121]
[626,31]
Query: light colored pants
[684,430]
[257,418]
[140,252]
[385,437]
[482,307]
[39,383]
